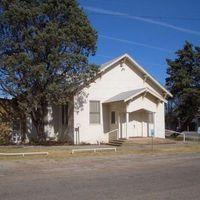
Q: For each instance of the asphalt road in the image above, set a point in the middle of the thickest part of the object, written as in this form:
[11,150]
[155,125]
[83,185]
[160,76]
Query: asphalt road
[104,178]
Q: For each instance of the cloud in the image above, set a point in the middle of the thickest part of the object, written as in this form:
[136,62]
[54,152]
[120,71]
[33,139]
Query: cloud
[143,19]
[135,43]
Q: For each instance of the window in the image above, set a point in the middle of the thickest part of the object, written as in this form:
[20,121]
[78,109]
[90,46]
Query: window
[65,114]
[113,117]
[198,122]
[94,112]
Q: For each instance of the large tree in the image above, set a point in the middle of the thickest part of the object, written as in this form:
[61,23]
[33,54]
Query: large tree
[184,83]
[44,50]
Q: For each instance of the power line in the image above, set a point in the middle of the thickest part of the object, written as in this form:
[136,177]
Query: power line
[135,43]
[164,17]
[142,19]
[171,17]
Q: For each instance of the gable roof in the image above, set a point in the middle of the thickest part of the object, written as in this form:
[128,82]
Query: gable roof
[128,95]
[139,67]
[104,65]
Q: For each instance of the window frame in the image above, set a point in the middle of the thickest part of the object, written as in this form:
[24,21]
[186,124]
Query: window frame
[99,113]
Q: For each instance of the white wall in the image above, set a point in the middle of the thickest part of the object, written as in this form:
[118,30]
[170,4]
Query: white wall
[114,81]
[147,102]
[140,124]
[55,128]
[160,121]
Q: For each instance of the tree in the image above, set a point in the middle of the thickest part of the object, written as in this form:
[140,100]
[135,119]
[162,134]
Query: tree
[10,115]
[44,50]
[184,83]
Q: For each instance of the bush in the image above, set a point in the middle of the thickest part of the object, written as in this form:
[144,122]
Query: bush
[5,134]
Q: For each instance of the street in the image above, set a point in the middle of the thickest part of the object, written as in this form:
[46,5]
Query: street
[124,177]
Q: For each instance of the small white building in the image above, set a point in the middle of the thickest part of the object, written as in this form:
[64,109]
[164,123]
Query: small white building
[124,101]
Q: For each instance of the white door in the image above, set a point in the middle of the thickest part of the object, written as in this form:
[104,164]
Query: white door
[137,124]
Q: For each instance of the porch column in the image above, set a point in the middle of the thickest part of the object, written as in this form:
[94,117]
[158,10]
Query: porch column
[142,124]
[127,120]
[154,123]
[119,128]
[150,120]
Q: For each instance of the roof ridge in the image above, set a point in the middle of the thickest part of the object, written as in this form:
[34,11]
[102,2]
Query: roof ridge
[112,60]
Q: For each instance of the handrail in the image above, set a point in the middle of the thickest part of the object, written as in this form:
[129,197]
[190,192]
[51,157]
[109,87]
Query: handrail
[112,131]
[181,133]
[173,131]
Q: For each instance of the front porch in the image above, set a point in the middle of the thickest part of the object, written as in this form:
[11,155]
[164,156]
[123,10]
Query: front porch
[130,114]
[140,123]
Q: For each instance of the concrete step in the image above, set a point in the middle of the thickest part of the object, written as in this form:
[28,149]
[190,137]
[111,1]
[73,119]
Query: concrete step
[118,142]
[113,144]
[122,139]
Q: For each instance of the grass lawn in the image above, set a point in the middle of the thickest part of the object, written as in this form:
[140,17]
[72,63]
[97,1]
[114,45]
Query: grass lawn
[63,152]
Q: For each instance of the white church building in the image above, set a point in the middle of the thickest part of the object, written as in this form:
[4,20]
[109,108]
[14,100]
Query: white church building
[124,101]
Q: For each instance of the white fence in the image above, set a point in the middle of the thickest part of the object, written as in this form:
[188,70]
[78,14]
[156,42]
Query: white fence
[23,154]
[93,149]
[185,134]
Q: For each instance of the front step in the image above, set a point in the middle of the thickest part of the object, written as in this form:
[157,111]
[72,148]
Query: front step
[114,144]
[118,142]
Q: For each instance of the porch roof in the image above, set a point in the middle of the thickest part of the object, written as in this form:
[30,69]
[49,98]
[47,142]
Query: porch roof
[128,95]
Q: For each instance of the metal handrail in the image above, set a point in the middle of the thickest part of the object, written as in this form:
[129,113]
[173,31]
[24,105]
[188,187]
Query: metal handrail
[112,131]
[181,133]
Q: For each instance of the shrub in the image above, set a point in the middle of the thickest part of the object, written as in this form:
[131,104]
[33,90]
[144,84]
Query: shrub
[5,134]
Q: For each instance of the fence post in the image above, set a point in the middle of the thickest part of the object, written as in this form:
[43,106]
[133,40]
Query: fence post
[184,137]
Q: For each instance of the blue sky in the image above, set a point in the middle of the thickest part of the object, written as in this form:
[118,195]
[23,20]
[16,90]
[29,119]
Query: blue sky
[148,30]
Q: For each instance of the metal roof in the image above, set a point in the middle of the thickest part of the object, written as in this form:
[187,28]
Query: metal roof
[125,95]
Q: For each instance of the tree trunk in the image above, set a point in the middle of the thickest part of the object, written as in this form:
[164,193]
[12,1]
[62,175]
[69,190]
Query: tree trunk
[23,128]
[40,132]
[38,117]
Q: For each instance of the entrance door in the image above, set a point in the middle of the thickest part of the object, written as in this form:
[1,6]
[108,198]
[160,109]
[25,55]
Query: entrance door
[137,121]
[113,126]
[142,123]
[122,125]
